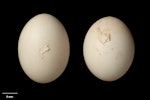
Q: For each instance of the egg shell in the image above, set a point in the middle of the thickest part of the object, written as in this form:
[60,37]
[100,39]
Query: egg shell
[43,48]
[108,48]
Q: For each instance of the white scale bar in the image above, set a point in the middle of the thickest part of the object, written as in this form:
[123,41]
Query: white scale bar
[9,92]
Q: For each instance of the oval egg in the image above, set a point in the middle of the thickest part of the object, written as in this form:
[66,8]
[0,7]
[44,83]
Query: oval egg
[108,48]
[43,48]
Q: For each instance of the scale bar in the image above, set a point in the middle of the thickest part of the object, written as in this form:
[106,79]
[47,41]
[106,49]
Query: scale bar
[9,92]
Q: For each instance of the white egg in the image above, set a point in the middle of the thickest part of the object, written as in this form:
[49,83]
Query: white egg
[108,49]
[43,48]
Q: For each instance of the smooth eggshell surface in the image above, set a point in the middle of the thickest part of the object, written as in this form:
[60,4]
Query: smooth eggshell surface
[108,48]
[43,48]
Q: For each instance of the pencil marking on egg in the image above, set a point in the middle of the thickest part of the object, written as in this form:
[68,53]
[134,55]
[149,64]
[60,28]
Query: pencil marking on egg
[45,49]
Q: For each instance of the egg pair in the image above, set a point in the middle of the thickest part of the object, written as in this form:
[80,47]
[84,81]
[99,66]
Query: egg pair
[44,49]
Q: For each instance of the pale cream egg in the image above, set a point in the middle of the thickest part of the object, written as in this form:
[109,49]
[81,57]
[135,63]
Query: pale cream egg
[43,48]
[108,48]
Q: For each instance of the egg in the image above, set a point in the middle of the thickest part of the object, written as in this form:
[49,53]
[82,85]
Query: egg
[43,48]
[108,49]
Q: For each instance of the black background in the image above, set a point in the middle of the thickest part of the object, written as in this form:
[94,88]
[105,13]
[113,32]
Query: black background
[76,17]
